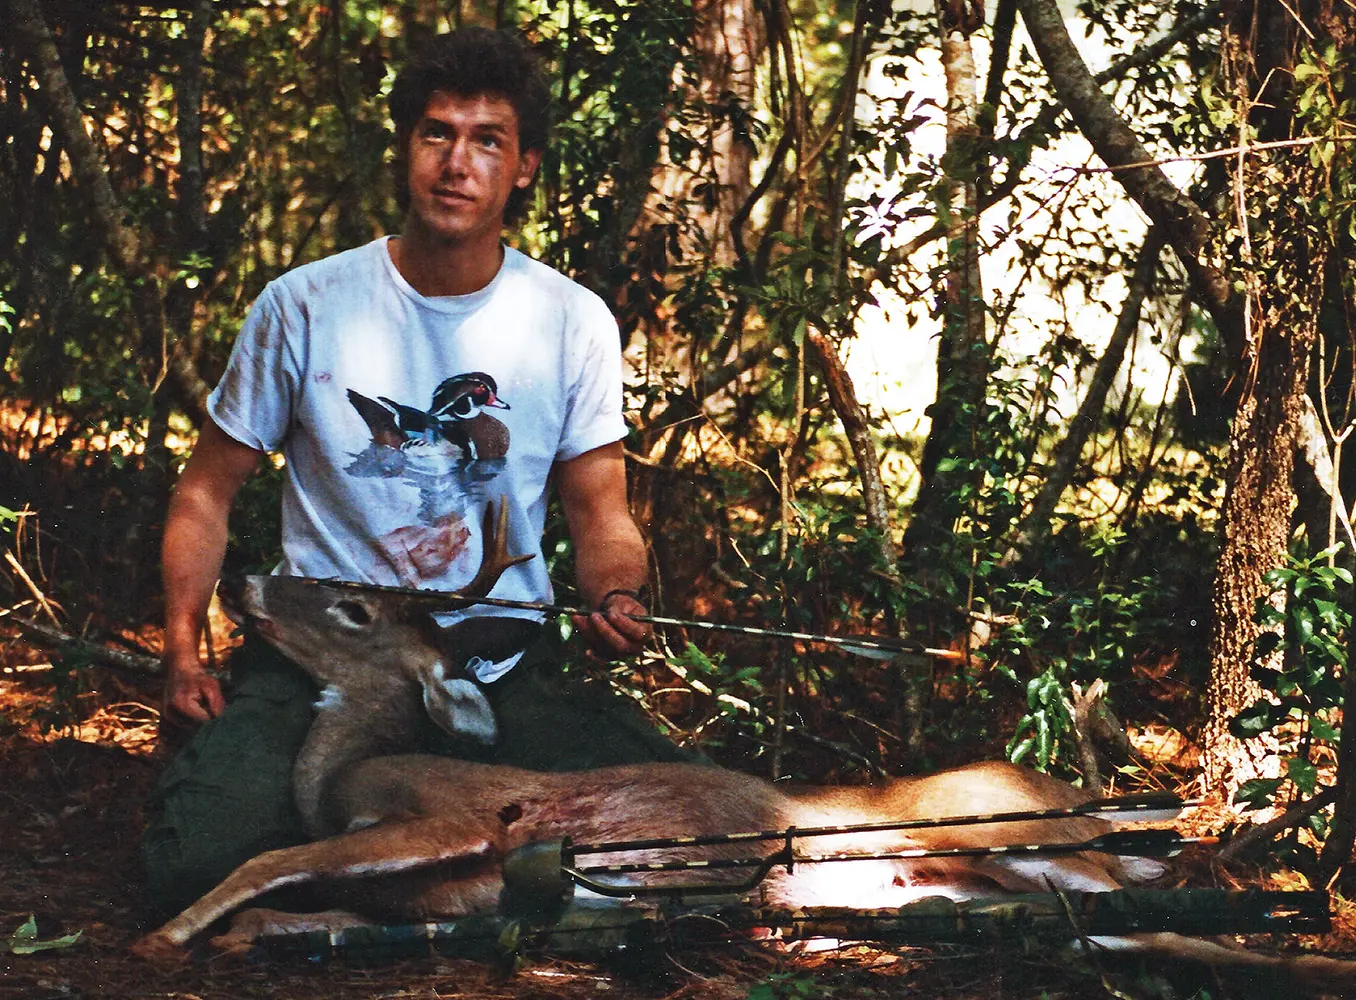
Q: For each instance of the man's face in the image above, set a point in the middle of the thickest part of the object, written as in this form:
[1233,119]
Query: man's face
[464,162]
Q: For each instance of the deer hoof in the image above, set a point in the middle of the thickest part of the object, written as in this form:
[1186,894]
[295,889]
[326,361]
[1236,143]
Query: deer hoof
[156,947]
[232,943]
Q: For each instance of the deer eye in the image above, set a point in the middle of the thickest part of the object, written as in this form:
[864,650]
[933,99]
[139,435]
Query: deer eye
[354,612]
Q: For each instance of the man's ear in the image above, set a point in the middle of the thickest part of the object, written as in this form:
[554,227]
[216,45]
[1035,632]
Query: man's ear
[528,162]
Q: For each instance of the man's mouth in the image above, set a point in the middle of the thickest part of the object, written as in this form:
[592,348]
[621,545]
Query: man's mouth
[452,196]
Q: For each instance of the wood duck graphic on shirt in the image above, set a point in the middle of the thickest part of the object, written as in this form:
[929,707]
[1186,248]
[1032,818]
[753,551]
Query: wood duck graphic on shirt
[448,451]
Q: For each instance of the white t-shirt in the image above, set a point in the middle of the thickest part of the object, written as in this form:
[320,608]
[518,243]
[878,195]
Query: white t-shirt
[402,415]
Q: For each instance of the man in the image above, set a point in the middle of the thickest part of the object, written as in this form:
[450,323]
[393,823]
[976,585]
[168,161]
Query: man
[408,383]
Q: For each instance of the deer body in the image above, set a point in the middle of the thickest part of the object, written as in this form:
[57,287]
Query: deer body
[404,836]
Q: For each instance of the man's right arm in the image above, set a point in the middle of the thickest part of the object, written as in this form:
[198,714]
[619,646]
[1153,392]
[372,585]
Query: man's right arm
[194,546]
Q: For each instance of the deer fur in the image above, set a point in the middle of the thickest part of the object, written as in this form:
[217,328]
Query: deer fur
[407,836]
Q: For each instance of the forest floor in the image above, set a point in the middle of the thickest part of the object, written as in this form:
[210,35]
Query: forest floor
[70,820]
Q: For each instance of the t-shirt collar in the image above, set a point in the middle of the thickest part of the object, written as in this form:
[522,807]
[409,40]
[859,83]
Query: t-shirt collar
[443,303]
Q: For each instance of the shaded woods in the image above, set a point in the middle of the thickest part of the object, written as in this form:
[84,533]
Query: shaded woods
[1124,234]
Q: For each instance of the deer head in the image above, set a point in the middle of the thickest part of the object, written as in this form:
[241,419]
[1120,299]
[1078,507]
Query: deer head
[369,645]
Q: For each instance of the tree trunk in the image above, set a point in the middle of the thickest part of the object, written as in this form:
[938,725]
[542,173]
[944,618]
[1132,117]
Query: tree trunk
[132,258]
[964,354]
[1289,247]
[1254,525]
[729,40]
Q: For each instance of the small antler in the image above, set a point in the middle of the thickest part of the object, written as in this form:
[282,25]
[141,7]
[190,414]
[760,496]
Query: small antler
[494,557]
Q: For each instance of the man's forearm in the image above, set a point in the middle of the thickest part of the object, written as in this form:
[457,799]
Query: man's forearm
[612,557]
[609,550]
[194,546]
[195,537]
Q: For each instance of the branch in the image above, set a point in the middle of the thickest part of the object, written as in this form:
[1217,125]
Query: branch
[1038,522]
[1004,20]
[848,96]
[1045,119]
[843,398]
[1186,227]
[1315,460]
[54,638]
[688,404]
[35,41]
[1192,25]
[1255,835]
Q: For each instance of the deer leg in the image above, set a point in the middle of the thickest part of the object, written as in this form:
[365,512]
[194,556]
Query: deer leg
[248,925]
[384,849]
[1313,972]
[1069,873]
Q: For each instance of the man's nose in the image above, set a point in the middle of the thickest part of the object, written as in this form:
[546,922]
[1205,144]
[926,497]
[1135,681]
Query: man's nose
[458,156]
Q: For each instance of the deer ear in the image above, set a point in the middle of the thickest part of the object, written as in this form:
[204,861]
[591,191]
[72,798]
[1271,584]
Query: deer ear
[459,706]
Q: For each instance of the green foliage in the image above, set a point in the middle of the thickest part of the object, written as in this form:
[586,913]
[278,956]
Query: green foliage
[733,691]
[1073,635]
[25,940]
[1325,106]
[789,986]
[829,573]
[1298,661]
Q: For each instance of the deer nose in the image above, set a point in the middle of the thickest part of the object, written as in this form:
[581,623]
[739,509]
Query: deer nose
[231,590]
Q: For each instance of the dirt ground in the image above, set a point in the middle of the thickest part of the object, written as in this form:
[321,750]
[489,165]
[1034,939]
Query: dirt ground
[70,818]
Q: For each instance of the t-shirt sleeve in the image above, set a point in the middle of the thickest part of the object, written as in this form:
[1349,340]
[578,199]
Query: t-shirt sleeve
[254,400]
[593,412]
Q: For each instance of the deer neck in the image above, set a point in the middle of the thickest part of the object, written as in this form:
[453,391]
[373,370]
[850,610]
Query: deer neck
[371,715]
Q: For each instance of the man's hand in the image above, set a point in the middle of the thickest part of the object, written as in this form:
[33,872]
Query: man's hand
[611,630]
[191,693]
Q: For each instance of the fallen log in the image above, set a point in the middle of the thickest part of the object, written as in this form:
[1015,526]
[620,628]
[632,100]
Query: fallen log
[62,642]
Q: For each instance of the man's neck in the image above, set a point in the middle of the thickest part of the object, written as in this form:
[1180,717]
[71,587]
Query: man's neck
[435,267]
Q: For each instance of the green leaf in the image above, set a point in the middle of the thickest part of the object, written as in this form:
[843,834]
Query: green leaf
[1255,720]
[1303,773]
[24,941]
[1257,793]
[1323,730]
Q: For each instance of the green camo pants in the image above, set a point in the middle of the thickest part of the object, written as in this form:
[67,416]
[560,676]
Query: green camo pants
[228,795]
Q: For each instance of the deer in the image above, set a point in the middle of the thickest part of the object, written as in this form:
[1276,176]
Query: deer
[399,835]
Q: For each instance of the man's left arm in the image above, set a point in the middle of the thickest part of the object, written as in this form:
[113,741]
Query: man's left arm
[610,562]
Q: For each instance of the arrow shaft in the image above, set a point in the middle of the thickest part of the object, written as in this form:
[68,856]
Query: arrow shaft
[1106,845]
[1119,806]
[862,644]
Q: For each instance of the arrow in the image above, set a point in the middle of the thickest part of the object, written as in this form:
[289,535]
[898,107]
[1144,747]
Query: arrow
[1126,843]
[1136,843]
[1145,806]
[874,646]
